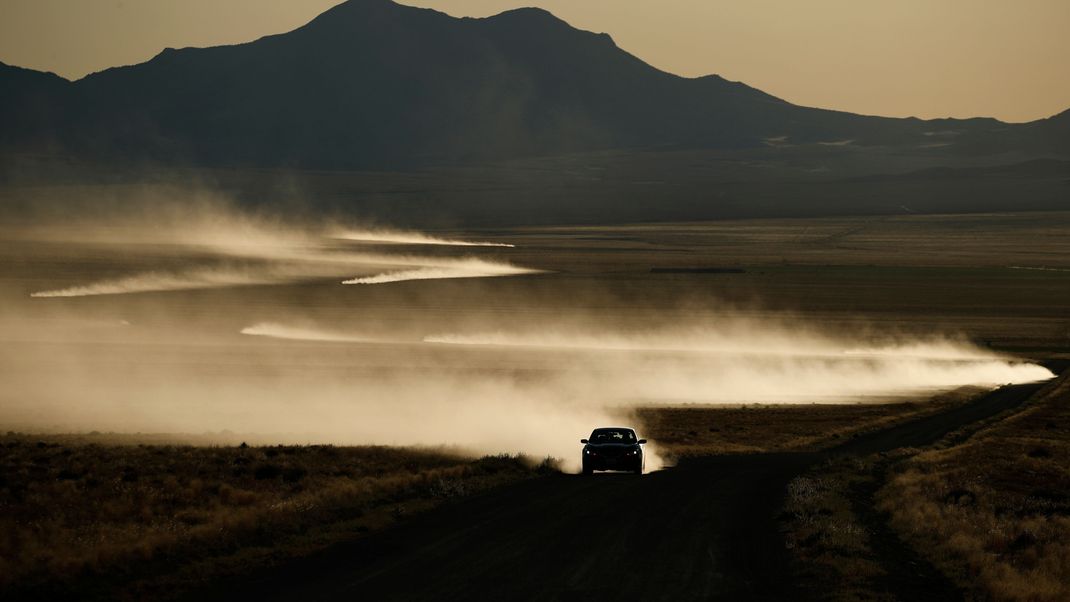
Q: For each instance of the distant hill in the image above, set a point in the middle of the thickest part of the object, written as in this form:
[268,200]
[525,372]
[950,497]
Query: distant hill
[372,84]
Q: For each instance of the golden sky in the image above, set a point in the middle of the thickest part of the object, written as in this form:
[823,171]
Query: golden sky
[928,58]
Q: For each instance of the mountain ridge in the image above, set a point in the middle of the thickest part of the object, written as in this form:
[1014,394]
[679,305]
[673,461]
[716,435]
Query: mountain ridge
[372,83]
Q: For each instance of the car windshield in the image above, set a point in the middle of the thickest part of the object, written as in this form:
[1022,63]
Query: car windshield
[612,436]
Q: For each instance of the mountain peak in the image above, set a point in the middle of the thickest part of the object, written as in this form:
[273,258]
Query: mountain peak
[363,9]
[364,5]
[531,18]
[527,12]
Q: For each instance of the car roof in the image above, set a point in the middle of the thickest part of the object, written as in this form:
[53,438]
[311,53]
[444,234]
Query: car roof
[613,428]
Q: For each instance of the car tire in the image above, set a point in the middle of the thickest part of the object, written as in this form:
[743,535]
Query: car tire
[587,470]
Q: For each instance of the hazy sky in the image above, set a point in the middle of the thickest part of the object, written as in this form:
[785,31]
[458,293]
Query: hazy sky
[930,58]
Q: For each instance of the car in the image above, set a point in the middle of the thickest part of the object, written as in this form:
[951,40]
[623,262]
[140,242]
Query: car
[613,448]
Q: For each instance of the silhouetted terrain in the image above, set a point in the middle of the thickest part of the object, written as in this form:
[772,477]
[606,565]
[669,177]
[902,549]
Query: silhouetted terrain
[414,117]
[372,83]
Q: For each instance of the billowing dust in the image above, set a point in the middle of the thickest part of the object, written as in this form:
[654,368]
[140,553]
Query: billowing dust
[211,321]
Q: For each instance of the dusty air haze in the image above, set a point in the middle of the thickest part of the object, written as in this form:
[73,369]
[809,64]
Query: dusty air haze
[179,313]
[953,58]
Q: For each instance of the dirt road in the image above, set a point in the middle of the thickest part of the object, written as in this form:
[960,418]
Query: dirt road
[705,529]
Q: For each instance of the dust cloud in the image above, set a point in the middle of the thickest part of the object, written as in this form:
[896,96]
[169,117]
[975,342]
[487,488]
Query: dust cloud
[184,280]
[467,268]
[741,360]
[289,271]
[411,238]
[242,250]
[279,331]
[302,358]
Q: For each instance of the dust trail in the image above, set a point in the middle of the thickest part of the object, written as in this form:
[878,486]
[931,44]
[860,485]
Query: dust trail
[470,268]
[725,339]
[280,331]
[746,361]
[310,366]
[411,238]
[710,365]
[197,278]
[260,256]
[298,266]
[266,250]
[523,390]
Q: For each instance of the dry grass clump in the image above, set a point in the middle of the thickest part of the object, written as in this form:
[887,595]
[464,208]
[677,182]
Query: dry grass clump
[994,512]
[696,431]
[74,515]
[828,541]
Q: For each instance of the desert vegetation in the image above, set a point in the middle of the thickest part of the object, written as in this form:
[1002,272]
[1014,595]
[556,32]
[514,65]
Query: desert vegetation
[994,512]
[828,540]
[983,514]
[83,517]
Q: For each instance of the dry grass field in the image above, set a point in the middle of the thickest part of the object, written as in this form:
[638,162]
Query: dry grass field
[87,518]
[994,512]
[831,545]
[983,514]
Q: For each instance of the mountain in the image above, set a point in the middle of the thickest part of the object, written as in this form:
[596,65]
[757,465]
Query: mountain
[371,83]
[31,109]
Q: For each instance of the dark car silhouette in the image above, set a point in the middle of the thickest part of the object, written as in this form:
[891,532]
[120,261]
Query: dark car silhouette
[613,448]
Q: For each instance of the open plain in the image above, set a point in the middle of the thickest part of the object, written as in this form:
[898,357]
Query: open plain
[826,320]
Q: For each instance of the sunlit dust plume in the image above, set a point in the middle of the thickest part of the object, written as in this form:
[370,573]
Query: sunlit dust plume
[196,278]
[747,361]
[510,385]
[223,247]
[279,331]
[728,338]
[264,256]
[471,268]
[410,238]
[486,366]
